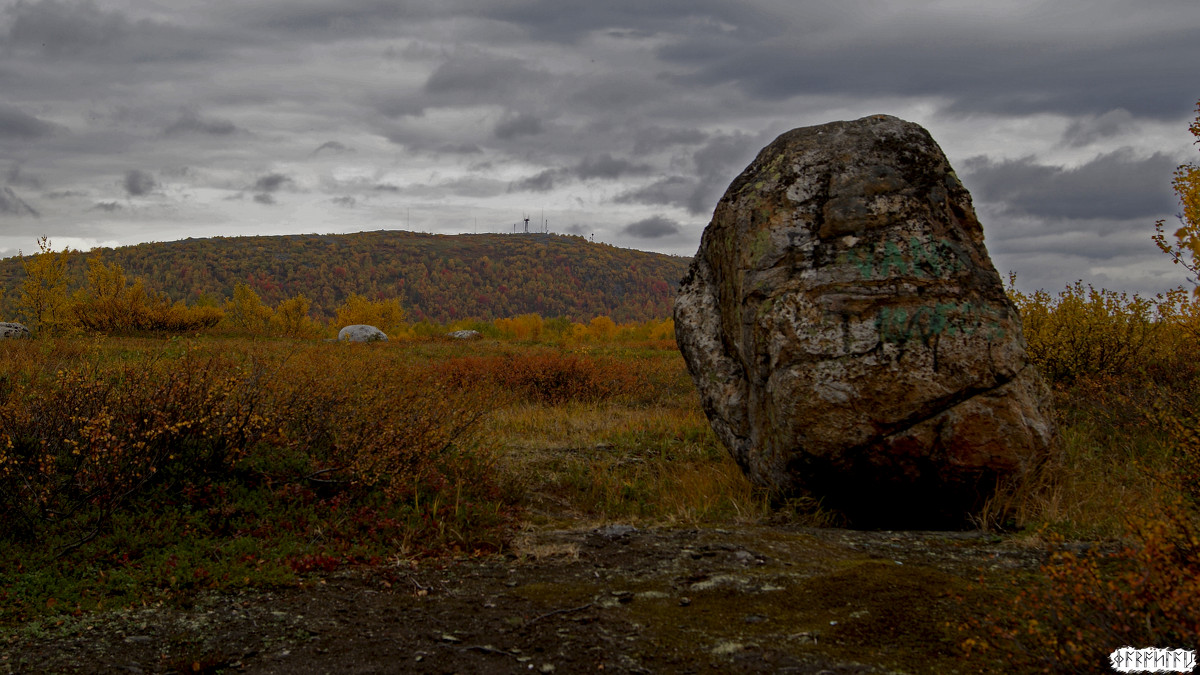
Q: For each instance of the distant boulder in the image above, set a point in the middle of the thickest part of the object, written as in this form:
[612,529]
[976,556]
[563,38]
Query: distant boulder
[464,334]
[14,330]
[360,332]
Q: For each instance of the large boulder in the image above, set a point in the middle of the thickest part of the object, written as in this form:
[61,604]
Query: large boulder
[361,332]
[13,330]
[849,336]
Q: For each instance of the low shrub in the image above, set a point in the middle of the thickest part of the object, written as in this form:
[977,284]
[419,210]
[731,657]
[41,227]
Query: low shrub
[319,453]
[1086,604]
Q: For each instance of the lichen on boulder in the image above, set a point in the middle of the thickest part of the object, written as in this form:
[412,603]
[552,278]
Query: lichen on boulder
[13,330]
[850,337]
[361,332]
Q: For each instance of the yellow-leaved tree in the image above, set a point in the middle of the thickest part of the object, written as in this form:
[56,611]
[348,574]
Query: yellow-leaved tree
[1186,249]
[44,301]
[245,312]
[291,319]
[386,315]
[112,303]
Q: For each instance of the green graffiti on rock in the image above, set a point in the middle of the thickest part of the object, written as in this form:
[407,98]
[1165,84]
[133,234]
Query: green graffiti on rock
[912,258]
[898,325]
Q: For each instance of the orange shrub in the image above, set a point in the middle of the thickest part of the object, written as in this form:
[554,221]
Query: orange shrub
[546,376]
[87,439]
[1088,604]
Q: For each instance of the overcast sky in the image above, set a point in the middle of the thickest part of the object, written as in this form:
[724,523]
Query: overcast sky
[124,121]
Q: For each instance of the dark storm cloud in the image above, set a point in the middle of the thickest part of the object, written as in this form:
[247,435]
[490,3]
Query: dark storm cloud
[271,182]
[191,123]
[541,182]
[17,124]
[1116,185]
[652,228]
[606,166]
[13,205]
[138,182]
[519,125]
[264,198]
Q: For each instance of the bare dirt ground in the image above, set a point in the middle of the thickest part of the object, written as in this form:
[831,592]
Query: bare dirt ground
[777,599]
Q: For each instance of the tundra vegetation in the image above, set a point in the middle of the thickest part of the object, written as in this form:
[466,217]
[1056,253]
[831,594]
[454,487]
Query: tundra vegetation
[152,450]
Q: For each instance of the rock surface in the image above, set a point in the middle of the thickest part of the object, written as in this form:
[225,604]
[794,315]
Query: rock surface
[849,336]
[13,330]
[463,334]
[361,332]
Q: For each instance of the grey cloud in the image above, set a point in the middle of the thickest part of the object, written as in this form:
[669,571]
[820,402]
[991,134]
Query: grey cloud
[398,105]
[82,30]
[460,149]
[106,206]
[17,124]
[652,228]
[138,182]
[332,147]
[717,163]
[541,182]
[190,123]
[653,139]
[13,205]
[346,201]
[21,179]
[976,67]
[333,21]
[477,72]
[570,20]
[64,194]
[271,182]
[1115,185]
[606,166]
[264,198]
[1091,129]
[520,125]
[670,191]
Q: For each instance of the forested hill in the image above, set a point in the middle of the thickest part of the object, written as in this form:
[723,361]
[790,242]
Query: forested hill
[436,277]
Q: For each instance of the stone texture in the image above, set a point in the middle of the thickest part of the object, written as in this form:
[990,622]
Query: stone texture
[464,334]
[361,332]
[14,330]
[849,336]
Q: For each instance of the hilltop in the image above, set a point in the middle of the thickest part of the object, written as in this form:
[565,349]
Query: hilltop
[436,277]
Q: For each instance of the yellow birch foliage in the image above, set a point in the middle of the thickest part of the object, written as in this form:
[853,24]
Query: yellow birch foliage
[113,304]
[44,301]
[1186,249]
[291,319]
[245,312]
[525,327]
[386,315]
[1085,331]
